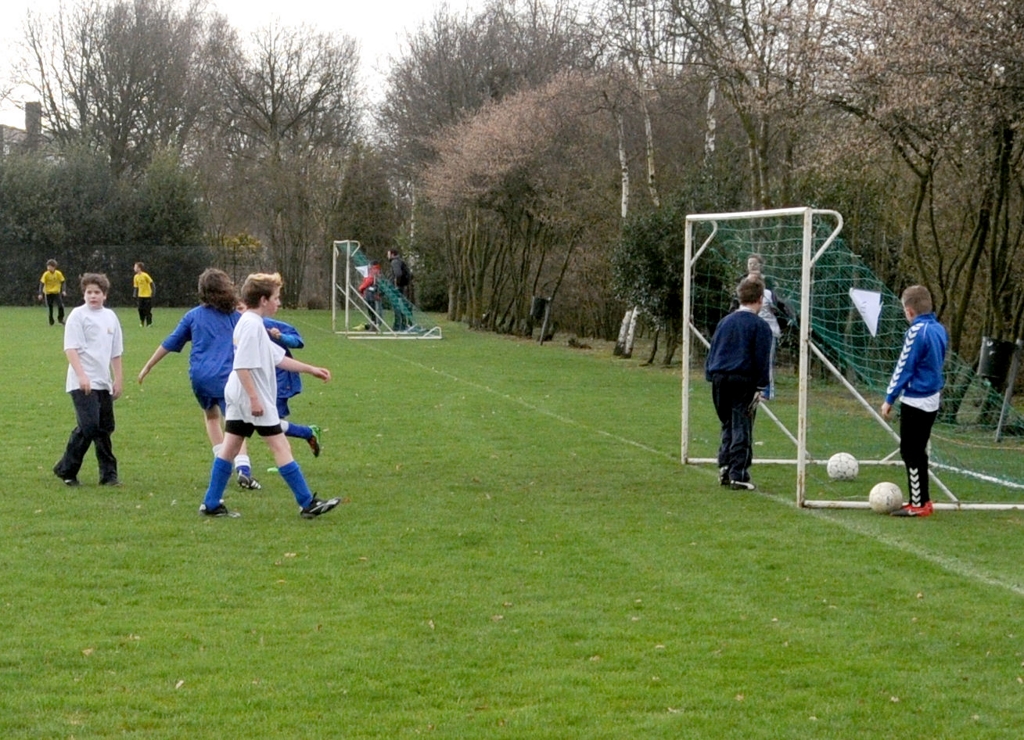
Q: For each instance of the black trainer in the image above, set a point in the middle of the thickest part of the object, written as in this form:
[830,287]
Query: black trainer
[113,482]
[318,506]
[66,479]
[723,475]
[314,441]
[742,485]
[218,510]
[248,482]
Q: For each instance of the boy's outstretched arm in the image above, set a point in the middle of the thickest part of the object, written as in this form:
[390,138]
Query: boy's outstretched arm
[294,366]
[158,355]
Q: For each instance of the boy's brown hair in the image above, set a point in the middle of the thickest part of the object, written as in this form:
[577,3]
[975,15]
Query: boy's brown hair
[51,263]
[260,285]
[917,298]
[95,278]
[217,290]
[750,290]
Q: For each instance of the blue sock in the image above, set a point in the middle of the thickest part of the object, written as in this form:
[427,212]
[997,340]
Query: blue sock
[297,430]
[220,474]
[296,481]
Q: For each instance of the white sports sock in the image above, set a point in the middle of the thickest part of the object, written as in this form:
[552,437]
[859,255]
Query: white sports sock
[242,460]
[284,426]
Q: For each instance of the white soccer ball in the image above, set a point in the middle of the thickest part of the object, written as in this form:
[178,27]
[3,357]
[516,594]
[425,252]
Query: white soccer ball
[885,498]
[842,466]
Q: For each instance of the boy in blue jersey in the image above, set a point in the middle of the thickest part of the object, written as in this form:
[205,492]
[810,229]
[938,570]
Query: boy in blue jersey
[738,367]
[918,381]
[209,327]
[289,384]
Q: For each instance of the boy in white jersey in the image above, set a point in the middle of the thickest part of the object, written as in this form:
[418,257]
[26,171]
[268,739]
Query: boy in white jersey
[251,396]
[93,345]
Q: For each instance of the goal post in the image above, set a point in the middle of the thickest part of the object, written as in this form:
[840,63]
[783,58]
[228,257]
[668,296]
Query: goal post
[844,330]
[353,317]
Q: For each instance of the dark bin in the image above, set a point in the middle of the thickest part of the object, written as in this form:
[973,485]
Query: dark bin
[995,360]
[538,307]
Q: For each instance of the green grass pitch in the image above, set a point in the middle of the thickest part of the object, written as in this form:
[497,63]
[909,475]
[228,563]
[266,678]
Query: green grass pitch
[521,556]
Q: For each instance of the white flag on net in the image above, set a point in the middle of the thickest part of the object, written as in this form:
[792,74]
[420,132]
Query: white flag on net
[869,306]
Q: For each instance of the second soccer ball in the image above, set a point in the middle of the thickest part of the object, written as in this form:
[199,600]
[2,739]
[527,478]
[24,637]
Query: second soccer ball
[842,466]
[885,498]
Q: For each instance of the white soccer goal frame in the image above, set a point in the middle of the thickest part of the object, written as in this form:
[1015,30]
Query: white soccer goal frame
[806,348]
[353,301]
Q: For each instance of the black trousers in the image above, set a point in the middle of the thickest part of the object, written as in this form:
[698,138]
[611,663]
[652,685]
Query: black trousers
[401,306]
[145,311]
[94,412]
[54,299]
[915,431]
[732,396]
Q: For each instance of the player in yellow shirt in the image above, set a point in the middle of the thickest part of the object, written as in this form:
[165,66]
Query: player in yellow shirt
[51,285]
[142,289]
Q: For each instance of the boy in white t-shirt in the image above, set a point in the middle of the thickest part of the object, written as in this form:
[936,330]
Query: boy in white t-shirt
[93,345]
[251,396]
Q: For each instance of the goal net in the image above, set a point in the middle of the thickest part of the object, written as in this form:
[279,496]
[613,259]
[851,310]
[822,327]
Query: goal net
[391,316]
[841,332]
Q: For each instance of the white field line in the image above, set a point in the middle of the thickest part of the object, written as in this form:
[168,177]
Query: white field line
[947,563]
[539,410]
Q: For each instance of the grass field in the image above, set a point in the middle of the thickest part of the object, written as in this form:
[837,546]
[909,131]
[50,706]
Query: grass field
[521,556]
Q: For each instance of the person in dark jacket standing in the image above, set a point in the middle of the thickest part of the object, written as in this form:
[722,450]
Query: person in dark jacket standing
[738,368]
[918,380]
[402,276]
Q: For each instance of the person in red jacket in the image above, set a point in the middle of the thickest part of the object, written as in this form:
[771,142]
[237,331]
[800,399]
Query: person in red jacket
[370,291]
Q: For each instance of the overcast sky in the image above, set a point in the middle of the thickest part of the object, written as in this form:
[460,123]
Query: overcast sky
[375,24]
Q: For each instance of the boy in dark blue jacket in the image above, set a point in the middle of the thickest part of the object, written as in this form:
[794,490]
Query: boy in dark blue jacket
[738,368]
[918,380]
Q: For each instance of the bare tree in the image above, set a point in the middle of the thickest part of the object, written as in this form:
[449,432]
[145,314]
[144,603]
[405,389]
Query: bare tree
[763,57]
[527,165]
[125,78]
[451,67]
[945,83]
[643,40]
[291,109]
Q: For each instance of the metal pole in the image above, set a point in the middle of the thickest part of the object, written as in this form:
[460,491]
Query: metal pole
[544,323]
[805,359]
[687,276]
[334,287]
[1010,382]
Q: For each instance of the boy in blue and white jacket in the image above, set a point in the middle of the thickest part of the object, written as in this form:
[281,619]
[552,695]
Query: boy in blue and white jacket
[918,380]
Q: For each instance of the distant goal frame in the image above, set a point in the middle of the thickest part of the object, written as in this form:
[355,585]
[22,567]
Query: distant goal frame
[354,302]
